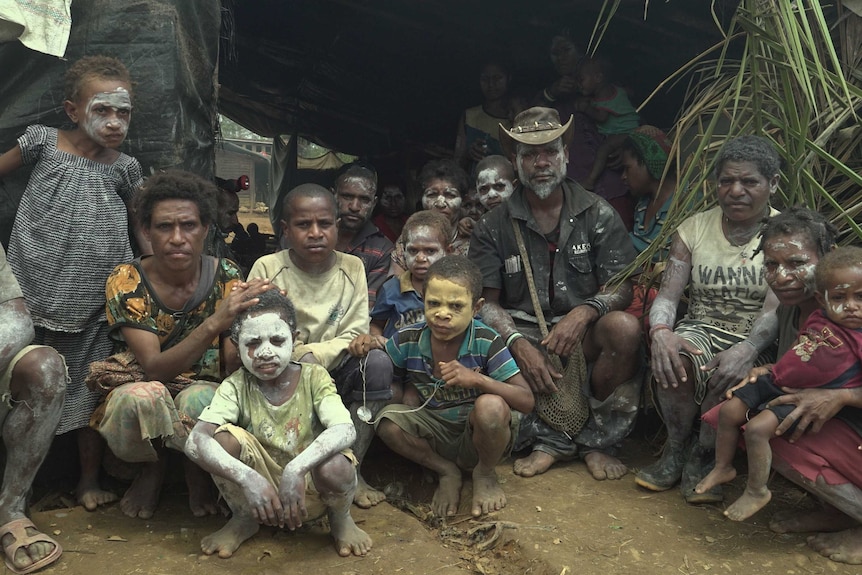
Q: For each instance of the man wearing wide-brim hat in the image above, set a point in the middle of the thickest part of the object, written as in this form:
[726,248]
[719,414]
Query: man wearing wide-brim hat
[575,243]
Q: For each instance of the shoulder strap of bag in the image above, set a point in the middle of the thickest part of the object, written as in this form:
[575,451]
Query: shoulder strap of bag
[531,284]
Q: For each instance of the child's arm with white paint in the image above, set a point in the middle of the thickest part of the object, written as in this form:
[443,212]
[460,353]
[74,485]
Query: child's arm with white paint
[202,448]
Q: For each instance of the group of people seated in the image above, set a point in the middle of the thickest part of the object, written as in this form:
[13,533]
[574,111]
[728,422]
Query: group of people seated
[449,344]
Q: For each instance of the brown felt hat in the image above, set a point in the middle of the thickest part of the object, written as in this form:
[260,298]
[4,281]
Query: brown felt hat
[535,126]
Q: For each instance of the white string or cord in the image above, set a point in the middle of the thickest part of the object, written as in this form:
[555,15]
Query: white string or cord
[364,414]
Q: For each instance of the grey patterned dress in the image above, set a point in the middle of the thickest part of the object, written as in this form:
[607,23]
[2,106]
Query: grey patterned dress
[70,231]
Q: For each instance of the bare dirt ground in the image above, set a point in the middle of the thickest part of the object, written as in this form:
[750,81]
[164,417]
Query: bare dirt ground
[560,523]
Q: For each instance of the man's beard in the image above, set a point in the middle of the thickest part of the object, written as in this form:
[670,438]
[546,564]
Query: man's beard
[544,189]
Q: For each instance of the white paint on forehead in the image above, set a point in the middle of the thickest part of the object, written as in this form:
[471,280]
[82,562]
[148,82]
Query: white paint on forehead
[118,99]
[263,329]
[489,177]
[359,181]
[97,127]
[425,235]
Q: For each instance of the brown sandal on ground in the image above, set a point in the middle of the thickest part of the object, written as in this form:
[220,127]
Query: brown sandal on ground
[18,529]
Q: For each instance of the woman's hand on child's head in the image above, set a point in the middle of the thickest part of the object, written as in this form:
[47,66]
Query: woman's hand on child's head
[456,375]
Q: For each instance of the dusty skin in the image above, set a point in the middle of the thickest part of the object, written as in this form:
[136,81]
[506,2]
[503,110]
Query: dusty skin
[560,519]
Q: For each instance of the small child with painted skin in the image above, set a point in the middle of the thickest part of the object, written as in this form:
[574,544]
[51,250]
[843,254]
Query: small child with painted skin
[472,209]
[472,389]
[827,353]
[399,302]
[609,106]
[277,438]
[443,184]
[74,220]
[495,181]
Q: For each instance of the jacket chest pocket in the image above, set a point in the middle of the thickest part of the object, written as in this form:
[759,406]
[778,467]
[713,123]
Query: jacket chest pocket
[580,275]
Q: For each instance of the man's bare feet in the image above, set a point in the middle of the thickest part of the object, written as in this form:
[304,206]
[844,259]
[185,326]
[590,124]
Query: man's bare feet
[226,540]
[142,497]
[718,476]
[202,498]
[349,539]
[92,496]
[750,503]
[366,496]
[843,547]
[488,496]
[823,520]
[603,466]
[536,463]
[30,548]
[448,494]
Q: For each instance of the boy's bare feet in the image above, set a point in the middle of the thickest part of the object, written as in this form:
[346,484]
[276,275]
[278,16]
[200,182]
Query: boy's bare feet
[534,464]
[718,476]
[366,496]
[226,540]
[349,539]
[750,503]
[827,519]
[488,496]
[142,497]
[844,547]
[92,496]
[604,466]
[448,494]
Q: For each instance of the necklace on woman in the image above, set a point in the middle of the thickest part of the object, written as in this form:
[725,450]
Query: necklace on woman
[740,237]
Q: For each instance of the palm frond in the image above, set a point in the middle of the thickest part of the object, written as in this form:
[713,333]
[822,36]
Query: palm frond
[776,73]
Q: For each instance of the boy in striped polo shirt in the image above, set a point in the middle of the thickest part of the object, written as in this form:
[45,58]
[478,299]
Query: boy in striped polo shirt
[473,392]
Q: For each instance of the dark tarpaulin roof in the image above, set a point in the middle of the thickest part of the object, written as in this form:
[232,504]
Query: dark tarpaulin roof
[362,77]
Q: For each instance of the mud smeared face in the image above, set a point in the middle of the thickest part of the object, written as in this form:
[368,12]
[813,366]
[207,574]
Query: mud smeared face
[542,168]
[448,308]
[842,298]
[424,246]
[265,345]
[790,261]
[107,110]
[493,187]
[442,196]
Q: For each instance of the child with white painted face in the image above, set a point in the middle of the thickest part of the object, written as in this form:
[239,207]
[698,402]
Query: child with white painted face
[444,185]
[495,181]
[70,231]
[399,302]
[827,354]
[277,438]
[472,390]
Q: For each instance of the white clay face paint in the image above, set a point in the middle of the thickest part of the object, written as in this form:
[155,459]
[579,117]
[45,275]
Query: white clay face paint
[265,345]
[492,187]
[107,117]
[439,202]
[422,249]
[527,160]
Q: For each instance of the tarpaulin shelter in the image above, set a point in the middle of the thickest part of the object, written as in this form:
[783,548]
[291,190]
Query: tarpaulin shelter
[363,78]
